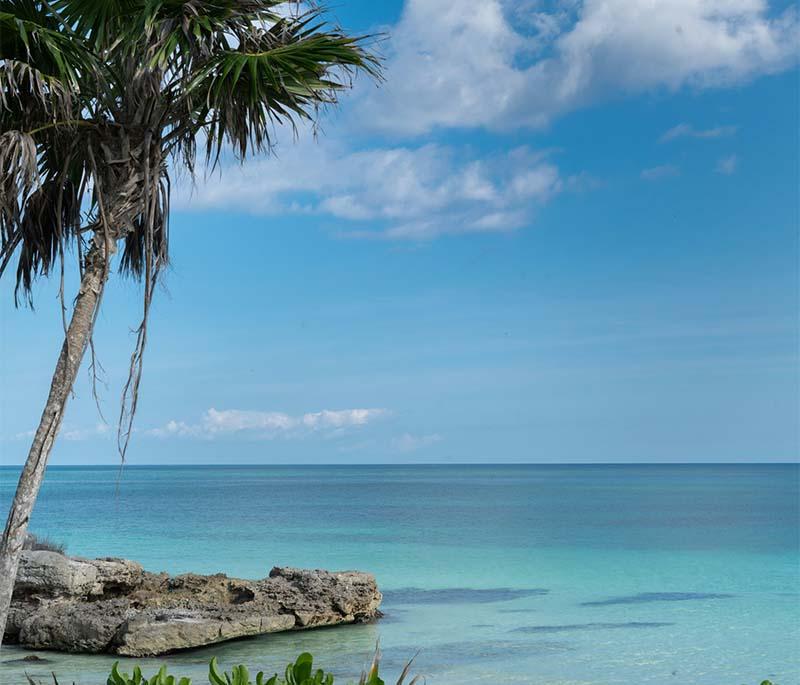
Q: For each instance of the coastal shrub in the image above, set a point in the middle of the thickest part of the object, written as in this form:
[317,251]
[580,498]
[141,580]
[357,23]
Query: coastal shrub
[299,672]
[43,544]
[160,678]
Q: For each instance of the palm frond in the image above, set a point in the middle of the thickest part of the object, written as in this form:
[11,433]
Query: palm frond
[99,23]
[276,76]
[40,203]
[34,95]
[19,177]
[180,30]
[38,56]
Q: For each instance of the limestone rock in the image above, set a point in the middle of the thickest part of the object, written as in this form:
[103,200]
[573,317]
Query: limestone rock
[167,631]
[50,573]
[114,605]
[71,626]
[116,576]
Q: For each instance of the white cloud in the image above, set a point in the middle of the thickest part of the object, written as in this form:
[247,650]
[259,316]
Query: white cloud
[398,193]
[657,173]
[72,434]
[727,165]
[689,131]
[267,424]
[450,65]
[78,434]
[411,443]
[503,64]
[174,428]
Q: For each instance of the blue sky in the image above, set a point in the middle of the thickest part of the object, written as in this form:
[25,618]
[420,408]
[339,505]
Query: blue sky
[561,231]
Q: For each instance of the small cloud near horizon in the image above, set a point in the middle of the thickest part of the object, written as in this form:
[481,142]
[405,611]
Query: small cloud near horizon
[727,165]
[658,173]
[72,434]
[411,443]
[267,425]
[688,131]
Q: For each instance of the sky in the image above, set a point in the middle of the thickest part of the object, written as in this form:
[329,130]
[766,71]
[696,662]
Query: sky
[560,231]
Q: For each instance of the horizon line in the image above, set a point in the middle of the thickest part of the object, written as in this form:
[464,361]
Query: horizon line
[426,463]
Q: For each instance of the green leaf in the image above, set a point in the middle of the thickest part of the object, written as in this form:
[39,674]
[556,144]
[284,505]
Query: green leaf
[241,676]
[115,677]
[302,668]
[214,675]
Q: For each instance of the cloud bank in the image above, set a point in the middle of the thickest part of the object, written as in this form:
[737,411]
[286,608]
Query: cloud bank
[506,65]
[501,66]
[392,193]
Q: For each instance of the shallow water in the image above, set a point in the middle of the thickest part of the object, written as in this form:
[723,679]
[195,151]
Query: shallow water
[497,574]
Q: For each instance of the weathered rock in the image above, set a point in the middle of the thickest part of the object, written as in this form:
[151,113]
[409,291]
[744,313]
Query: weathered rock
[113,605]
[156,633]
[116,576]
[50,573]
[71,626]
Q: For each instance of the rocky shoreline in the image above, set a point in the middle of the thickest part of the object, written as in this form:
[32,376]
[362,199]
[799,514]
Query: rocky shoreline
[115,606]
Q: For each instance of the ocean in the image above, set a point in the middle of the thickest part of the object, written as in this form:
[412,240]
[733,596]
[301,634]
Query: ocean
[545,574]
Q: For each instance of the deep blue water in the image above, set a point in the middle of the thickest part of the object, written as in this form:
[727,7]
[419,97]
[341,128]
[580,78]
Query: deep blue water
[524,574]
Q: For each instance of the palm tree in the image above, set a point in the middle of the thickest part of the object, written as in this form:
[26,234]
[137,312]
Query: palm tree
[101,102]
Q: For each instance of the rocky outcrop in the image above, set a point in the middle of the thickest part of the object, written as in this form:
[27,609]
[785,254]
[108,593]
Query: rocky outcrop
[114,605]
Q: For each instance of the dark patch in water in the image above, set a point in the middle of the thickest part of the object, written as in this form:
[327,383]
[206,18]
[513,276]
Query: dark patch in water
[483,625]
[656,597]
[31,658]
[412,595]
[393,616]
[517,611]
[452,654]
[590,626]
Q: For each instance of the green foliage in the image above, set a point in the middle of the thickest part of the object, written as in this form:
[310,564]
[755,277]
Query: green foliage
[299,672]
[238,676]
[160,678]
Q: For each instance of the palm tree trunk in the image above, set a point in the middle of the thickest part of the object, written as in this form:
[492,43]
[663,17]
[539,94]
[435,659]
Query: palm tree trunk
[75,342]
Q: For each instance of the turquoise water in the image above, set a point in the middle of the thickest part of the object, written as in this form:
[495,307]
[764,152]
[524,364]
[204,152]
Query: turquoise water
[497,574]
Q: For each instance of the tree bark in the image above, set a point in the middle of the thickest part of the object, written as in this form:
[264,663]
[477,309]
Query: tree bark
[76,340]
